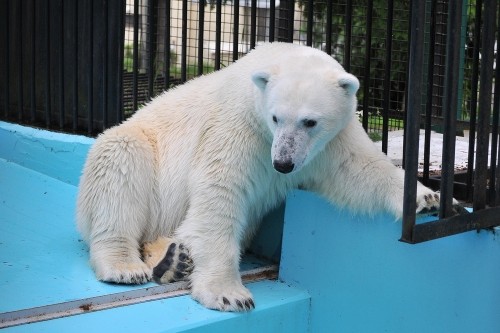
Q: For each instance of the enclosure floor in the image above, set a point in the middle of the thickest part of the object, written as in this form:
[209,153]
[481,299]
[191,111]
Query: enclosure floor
[395,151]
[43,260]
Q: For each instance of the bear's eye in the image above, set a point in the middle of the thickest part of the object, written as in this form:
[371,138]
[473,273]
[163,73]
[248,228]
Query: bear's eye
[310,123]
[275,120]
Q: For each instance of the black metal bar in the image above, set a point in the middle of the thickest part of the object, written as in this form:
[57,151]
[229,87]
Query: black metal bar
[20,57]
[98,86]
[61,66]
[218,33]
[32,80]
[387,76]
[291,20]
[494,194]
[483,219]
[90,69]
[151,32]
[328,28]
[236,29]
[348,36]
[473,102]
[367,64]
[272,19]
[105,60]
[114,61]
[201,29]
[253,23]
[135,56]
[184,40]
[497,97]
[310,22]
[415,65]
[4,31]
[166,42]
[429,93]
[484,107]
[48,91]
[121,54]
[450,106]
[75,68]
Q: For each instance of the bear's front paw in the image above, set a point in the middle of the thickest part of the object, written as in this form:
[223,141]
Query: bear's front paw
[224,298]
[428,203]
[169,259]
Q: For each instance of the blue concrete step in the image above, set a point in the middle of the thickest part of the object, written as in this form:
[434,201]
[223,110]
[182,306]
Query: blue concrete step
[279,308]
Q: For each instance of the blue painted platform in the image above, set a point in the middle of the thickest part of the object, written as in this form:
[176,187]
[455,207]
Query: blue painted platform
[338,272]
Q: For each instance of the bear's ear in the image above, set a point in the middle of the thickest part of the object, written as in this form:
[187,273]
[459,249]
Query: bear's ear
[349,83]
[261,78]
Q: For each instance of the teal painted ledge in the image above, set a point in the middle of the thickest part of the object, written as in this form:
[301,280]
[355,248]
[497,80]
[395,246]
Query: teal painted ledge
[362,279]
[58,155]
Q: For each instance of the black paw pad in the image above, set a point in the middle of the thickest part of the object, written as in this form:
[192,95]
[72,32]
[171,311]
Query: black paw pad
[175,266]
[165,263]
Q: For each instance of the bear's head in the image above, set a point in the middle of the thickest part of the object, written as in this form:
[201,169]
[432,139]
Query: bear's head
[305,102]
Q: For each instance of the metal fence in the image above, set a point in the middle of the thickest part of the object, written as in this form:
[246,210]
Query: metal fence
[83,66]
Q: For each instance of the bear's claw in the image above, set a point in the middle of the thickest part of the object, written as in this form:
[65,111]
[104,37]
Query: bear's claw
[428,204]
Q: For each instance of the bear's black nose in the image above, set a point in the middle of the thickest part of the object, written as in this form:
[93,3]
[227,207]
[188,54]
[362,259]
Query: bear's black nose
[283,167]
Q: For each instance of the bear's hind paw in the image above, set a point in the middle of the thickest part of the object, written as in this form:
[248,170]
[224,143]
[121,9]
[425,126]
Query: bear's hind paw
[170,260]
[126,273]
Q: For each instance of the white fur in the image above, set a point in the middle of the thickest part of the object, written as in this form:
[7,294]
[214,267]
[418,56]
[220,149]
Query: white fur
[197,164]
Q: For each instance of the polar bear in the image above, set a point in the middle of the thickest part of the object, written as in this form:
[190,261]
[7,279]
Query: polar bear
[193,172]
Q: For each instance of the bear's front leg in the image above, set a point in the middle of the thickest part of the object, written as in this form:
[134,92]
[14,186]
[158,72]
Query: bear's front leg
[215,250]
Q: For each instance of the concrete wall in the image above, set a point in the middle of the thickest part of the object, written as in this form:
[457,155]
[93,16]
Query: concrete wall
[362,279]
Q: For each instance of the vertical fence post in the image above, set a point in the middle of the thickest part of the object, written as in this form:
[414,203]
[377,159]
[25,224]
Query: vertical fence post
[18,38]
[473,101]
[32,79]
[387,76]
[450,105]
[4,56]
[74,59]
[415,65]
[184,40]
[201,30]
[236,29]
[272,19]
[484,106]
[47,53]
[367,64]
[429,93]
[310,22]
[135,55]
[166,47]
[328,30]
[218,33]
[151,32]
[253,23]
[494,164]
[348,35]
